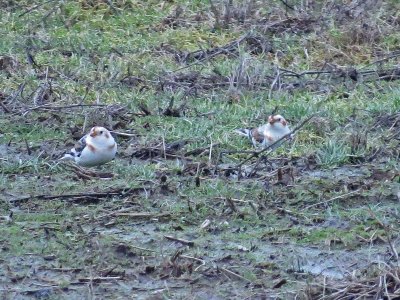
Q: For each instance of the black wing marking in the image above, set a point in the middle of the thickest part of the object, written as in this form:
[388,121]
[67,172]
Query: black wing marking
[79,146]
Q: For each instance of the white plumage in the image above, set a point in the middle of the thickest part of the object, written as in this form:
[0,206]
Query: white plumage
[95,148]
[268,133]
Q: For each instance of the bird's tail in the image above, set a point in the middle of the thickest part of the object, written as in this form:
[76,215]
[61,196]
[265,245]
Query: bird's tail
[67,157]
[70,155]
[244,132]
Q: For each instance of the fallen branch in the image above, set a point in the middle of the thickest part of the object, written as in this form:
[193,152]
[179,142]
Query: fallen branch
[123,134]
[182,241]
[142,214]
[99,279]
[82,196]
[4,107]
[332,199]
[58,108]
[229,272]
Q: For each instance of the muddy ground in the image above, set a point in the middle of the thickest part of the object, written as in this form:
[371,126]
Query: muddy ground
[188,209]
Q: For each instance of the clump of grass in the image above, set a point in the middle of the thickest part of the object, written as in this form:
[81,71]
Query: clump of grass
[333,153]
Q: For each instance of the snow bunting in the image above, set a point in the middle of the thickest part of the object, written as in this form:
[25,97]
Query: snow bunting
[269,133]
[95,148]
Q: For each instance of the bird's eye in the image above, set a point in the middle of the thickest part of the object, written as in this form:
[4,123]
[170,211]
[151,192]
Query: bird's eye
[101,131]
[279,119]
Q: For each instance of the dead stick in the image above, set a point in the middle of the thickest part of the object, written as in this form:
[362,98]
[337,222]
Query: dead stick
[332,199]
[124,134]
[182,241]
[234,274]
[143,249]
[387,233]
[99,279]
[5,107]
[121,192]
[113,213]
[141,215]
[49,107]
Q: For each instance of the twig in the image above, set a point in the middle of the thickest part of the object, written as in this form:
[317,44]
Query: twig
[205,55]
[33,8]
[276,79]
[81,196]
[14,96]
[175,256]
[4,107]
[233,274]
[99,279]
[110,214]
[394,55]
[196,259]
[143,249]
[50,12]
[141,214]
[231,204]
[61,269]
[287,5]
[387,233]
[333,199]
[182,241]
[49,107]
[123,134]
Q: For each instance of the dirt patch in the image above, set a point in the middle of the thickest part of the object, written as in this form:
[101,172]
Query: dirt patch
[188,209]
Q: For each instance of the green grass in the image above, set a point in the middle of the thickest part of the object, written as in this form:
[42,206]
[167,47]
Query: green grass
[86,51]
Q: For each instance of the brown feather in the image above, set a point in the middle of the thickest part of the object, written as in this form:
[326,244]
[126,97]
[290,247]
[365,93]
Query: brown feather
[268,137]
[256,135]
[91,148]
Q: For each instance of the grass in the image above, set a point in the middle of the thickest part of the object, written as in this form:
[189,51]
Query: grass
[85,51]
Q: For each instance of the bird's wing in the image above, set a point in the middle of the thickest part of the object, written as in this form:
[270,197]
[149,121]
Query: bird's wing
[79,146]
[255,134]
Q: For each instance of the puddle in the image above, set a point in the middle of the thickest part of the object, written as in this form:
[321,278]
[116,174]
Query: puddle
[335,264]
[346,171]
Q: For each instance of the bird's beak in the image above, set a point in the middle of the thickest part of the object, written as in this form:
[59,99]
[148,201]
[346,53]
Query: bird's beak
[284,123]
[271,120]
[93,133]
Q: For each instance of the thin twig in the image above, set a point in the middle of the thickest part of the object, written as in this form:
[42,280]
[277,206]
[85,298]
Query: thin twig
[182,241]
[332,199]
[123,134]
[33,8]
[233,274]
[142,214]
[99,279]
[49,107]
[387,233]
[81,196]
[4,107]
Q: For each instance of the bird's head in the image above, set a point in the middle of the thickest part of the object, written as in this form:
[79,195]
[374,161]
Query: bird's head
[99,133]
[277,120]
